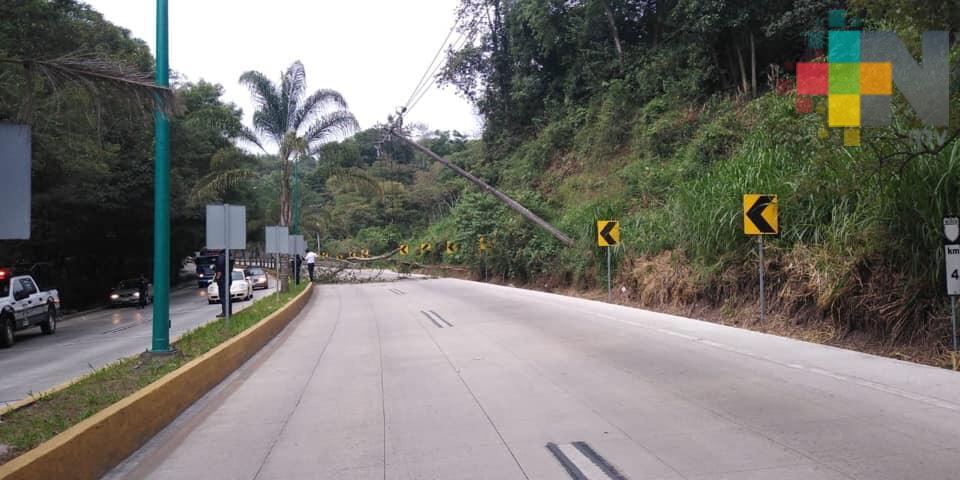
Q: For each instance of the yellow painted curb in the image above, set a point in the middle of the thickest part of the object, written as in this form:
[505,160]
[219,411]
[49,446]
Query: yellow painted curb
[95,445]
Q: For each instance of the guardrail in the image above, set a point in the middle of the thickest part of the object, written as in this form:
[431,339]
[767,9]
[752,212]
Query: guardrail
[263,262]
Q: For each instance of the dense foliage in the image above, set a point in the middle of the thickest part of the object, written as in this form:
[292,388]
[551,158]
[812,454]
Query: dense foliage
[93,153]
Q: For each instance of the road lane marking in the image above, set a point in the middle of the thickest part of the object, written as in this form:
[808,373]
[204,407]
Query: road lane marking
[425,314]
[583,463]
[120,329]
[599,461]
[444,320]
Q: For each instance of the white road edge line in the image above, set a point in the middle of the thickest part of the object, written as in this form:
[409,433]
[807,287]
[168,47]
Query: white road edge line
[936,402]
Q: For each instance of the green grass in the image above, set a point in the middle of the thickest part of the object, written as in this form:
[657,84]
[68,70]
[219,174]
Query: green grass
[29,426]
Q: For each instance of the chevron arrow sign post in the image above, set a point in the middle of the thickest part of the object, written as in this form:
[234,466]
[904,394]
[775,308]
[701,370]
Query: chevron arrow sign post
[761,217]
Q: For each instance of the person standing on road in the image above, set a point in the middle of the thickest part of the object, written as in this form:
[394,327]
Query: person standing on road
[142,290]
[311,262]
[222,276]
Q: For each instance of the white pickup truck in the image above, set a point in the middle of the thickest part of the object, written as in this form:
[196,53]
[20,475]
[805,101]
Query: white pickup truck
[23,305]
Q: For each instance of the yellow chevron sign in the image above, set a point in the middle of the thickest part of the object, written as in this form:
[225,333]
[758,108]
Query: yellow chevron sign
[608,233]
[760,214]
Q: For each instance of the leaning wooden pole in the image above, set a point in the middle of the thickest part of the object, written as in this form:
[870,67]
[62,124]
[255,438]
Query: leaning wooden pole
[513,204]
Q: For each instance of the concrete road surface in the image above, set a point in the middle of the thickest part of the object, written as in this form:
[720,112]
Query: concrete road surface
[38,362]
[448,379]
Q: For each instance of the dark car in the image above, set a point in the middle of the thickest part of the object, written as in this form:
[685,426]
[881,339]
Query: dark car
[127,292]
[206,269]
[258,277]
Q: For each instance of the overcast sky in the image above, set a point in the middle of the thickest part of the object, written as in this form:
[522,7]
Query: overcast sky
[372,51]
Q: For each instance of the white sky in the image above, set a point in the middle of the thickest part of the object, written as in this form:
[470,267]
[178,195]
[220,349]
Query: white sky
[372,51]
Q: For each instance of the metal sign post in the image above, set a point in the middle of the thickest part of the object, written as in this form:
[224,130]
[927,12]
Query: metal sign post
[278,242]
[609,287]
[761,217]
[951,260]
[608,235]
[762,295]
[228,281]
[226,229]
[296,246]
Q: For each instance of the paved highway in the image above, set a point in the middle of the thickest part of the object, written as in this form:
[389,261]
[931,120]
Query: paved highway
[38,362]
[448,379]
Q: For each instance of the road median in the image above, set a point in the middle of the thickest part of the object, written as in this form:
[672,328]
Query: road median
[101,440]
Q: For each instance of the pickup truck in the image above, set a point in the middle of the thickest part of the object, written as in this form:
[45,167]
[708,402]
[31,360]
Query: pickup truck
[23,305]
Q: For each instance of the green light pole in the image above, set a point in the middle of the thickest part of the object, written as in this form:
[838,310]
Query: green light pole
[296,220]
[161,199]
[295,223]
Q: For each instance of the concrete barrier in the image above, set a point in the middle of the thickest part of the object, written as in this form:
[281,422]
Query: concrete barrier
[95,445]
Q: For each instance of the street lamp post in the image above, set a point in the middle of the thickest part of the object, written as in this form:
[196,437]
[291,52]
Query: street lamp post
[295,201]
[296,220]
[161,206]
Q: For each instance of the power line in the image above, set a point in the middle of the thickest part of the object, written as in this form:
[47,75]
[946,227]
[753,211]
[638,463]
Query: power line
[459,43]
[436,56]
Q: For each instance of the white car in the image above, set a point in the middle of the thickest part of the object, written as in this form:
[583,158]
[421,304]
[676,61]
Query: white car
[241,288]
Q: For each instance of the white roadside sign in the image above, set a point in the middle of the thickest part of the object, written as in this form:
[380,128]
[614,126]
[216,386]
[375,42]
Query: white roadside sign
[951,253]
[226,227]
[297,245]
[15,182]
[278,240]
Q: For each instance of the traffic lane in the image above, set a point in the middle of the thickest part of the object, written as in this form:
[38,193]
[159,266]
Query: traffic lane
[38,362]
[713,400]
[454,379]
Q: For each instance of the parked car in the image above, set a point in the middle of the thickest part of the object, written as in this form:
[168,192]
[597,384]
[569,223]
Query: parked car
[258,277]
[24,305]
[240,288]
[127,292]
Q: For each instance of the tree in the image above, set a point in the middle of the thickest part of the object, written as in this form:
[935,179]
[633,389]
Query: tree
[297,124]
[83,85]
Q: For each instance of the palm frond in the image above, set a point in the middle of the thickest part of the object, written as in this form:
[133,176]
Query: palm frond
[269,117]
[340,122]
[320,219]
[314,105]
[100,76]
[390,187]
[292,86]
[249,136]
[357,179]
[214,185]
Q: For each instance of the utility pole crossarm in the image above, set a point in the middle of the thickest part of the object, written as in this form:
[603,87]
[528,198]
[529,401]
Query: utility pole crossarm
[513,204]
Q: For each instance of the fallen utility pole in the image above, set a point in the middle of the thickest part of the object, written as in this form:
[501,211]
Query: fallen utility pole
[513,204]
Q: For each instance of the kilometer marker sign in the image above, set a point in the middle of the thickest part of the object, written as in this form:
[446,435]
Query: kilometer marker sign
[951,253]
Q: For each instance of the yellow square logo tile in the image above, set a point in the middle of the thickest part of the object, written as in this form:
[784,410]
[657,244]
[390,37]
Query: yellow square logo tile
[851,137]
[843,110]
[876,79]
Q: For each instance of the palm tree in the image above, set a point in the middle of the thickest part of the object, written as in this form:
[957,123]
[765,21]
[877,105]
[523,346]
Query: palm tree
[295,123]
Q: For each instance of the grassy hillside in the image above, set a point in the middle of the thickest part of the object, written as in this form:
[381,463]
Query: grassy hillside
[860,239]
